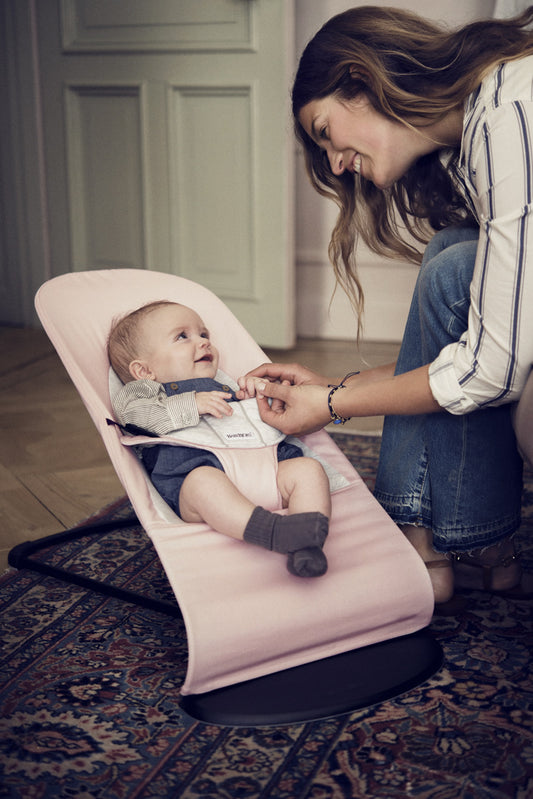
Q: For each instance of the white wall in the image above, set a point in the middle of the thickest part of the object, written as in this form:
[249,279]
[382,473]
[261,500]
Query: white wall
[388,285]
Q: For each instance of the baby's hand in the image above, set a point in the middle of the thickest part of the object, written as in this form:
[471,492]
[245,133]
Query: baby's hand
[251,386]
[248,386]
[214,403]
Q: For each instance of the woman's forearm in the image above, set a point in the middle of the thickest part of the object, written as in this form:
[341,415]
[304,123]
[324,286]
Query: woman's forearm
[372,375]
[301,408]
[378,392]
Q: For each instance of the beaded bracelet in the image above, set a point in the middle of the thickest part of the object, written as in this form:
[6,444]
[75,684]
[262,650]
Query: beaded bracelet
[335,418]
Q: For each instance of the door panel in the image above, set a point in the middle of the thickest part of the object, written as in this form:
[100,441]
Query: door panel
[167,145]
[104,150]
[213,236]
[98,25]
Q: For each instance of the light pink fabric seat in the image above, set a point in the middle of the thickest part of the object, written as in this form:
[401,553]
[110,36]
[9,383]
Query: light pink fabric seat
[245,615]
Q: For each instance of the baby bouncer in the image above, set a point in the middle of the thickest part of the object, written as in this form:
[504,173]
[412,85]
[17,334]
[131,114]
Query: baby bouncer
[264,647]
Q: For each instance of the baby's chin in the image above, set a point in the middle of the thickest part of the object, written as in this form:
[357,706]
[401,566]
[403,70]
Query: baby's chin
[205,369]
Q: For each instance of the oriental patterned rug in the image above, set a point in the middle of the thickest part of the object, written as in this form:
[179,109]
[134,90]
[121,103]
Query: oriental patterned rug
[89,687]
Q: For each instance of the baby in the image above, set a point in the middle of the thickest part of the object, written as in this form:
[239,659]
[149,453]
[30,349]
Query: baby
[163,354]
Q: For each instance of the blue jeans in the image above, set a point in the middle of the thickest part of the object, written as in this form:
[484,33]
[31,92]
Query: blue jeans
[459,476]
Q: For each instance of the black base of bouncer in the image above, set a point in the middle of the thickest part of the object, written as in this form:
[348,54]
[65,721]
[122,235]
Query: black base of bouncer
[329,687]
[324,688]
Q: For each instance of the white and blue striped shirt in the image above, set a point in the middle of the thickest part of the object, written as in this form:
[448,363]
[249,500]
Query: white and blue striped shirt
[489,365]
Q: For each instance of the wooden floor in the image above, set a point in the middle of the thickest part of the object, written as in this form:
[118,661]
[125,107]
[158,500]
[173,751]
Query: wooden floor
[54,470]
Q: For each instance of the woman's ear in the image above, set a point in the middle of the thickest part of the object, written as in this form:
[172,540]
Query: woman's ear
[358,74]
[360,83]
[140,370]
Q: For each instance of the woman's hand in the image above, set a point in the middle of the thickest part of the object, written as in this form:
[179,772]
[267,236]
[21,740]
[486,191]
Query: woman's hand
[295,409]
[285,374]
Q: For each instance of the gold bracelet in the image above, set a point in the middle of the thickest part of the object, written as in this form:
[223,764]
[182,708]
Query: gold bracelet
[335,418]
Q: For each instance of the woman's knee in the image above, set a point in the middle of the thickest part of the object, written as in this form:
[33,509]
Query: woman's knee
[447,238]
[443,295]
[446,277]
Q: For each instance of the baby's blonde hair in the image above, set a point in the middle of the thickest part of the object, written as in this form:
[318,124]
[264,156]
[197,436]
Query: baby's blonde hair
[124,343]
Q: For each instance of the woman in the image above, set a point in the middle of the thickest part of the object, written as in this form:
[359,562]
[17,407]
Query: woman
[413,128]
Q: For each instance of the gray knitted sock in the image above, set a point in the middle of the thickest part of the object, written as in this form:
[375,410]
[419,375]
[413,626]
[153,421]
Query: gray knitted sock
[300,535]
[307,562]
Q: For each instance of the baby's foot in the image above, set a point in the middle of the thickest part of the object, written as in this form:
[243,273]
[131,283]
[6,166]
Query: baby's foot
[307,562]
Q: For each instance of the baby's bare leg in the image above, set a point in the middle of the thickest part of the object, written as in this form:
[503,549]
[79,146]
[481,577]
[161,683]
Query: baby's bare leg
[208,495]
[304,486]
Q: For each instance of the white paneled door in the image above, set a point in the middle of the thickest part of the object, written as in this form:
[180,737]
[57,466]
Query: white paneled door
[167,145]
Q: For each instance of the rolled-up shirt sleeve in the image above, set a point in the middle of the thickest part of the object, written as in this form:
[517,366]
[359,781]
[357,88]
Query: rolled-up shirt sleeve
[490,364]
[145,404]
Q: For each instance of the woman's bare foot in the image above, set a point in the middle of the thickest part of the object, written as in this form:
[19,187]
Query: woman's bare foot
[496,568]
[439,567]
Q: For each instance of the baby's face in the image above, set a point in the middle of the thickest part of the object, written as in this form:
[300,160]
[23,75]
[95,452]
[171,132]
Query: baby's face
[176,345]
